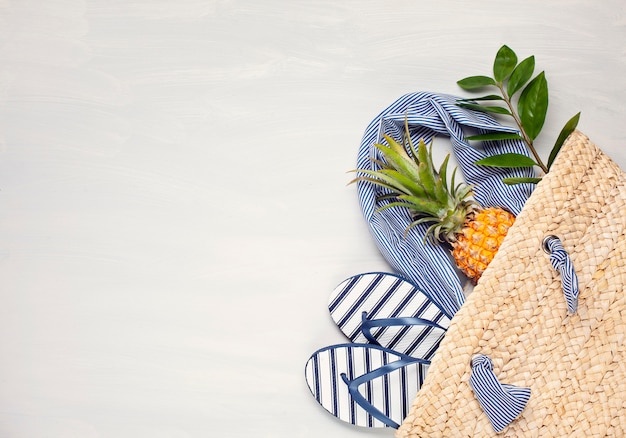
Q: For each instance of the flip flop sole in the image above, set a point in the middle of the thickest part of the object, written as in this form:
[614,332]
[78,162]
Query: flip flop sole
[382,295]
[392,394]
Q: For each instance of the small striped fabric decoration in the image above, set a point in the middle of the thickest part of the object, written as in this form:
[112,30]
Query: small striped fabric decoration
[561,262]
[502,403]
[365,385]
[429,115]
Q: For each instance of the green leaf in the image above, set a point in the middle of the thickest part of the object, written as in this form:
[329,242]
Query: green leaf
[378,180]
[505,62]
[386,197]
[522,74]
[452,186]
[398,148]
[489,97]
[403,181]
[495,136]
[395,204]
[513,181]
[426,173]
[423,155]
[399,161]
[485,109]
[569,127]
[475,82]
[463,191]
[426,178]
[507,160]
[421,205]
[532,106]
[422,220]
[428,235]
[441,194]
[443,171]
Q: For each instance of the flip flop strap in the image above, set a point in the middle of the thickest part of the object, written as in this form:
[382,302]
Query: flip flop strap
[368,324]
[353,387]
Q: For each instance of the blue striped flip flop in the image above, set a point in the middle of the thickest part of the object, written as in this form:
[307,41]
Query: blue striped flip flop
[365,385]
[388,310]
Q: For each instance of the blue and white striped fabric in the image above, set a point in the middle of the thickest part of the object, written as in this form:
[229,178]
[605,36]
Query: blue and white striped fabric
[561,262]
[501,402]
[430,115]
[387,310]
[365,385]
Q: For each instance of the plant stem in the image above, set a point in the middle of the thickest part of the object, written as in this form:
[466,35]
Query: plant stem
[525,136]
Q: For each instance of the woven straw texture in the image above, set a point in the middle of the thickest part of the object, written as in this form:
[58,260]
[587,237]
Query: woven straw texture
[517,315]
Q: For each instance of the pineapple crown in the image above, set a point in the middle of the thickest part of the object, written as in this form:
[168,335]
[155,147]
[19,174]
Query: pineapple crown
[411,181]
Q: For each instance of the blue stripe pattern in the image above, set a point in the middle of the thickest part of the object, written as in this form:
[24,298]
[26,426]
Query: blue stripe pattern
[424,339]
[561,262]
[502,403]
[392,306]
[365,385]
[430,115]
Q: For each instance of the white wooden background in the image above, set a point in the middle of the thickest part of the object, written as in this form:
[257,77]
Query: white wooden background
[173,202]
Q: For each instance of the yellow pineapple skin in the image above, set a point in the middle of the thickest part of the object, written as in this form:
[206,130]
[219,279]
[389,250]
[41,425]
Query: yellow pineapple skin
[479,240]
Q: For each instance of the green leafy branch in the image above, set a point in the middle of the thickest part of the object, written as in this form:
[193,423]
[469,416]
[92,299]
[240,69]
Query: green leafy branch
[511,78]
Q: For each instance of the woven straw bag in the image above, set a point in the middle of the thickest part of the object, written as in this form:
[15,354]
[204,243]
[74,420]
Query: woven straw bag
[573,363]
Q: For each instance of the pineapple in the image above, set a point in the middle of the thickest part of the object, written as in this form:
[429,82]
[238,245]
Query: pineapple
[411,181]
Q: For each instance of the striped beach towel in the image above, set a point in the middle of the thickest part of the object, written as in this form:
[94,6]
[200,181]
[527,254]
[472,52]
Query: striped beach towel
[431,115]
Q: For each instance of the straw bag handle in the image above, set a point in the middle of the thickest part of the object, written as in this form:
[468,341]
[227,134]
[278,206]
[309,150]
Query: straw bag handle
[560,260]
[501,402]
